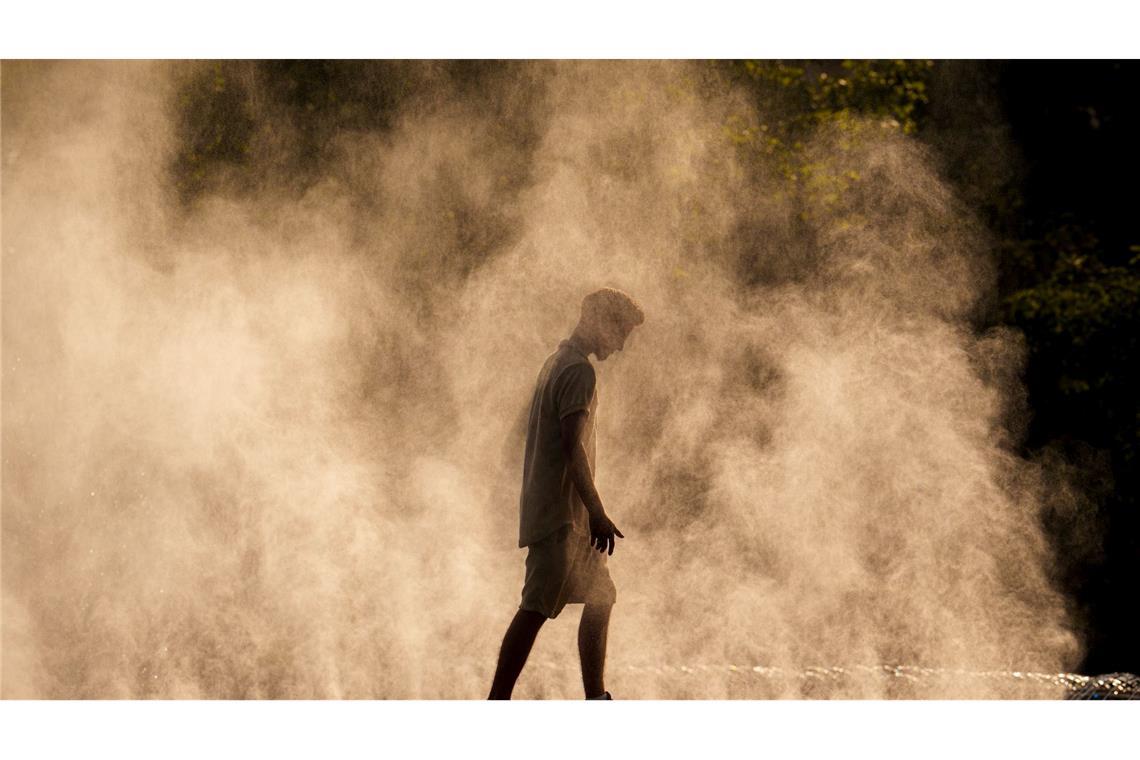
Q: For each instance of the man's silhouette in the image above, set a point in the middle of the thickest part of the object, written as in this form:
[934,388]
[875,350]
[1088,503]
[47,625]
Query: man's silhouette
[561,518]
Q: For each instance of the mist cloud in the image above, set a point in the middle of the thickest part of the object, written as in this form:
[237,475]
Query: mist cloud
[267,443]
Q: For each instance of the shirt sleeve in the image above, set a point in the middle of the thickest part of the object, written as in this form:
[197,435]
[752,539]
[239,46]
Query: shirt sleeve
[574,389]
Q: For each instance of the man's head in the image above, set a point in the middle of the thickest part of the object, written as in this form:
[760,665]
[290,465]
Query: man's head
[608,317]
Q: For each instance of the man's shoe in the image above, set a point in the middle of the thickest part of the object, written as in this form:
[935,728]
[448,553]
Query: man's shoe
[605,695]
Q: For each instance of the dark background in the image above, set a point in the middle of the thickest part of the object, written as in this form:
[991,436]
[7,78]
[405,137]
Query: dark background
[1071,281]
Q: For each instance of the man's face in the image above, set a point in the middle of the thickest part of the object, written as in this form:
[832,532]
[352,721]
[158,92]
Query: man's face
[612,338]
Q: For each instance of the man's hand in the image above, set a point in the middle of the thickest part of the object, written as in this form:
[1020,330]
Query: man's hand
[602,532]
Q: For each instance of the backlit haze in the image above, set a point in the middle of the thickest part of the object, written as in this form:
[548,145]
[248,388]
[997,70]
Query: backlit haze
[266,442]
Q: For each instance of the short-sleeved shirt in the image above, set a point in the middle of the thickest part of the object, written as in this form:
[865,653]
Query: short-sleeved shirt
[549,500]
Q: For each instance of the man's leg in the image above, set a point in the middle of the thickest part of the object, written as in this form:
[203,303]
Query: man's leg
[516,648]
[592,647]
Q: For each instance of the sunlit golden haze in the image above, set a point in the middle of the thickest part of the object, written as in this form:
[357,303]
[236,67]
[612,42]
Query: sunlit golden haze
[268,442]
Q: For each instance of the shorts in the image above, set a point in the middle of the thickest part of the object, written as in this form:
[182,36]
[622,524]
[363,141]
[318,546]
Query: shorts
[564,569]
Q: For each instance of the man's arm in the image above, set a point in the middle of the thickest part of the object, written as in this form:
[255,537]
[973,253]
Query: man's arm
[602,529]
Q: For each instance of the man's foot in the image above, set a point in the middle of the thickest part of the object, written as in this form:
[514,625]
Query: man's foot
[605,695]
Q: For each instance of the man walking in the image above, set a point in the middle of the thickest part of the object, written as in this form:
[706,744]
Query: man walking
[561,518]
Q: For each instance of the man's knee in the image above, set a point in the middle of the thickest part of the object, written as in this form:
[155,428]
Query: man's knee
[528,621]
[596,611]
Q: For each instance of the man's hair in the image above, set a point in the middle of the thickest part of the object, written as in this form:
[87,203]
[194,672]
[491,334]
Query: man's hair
[610,305]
